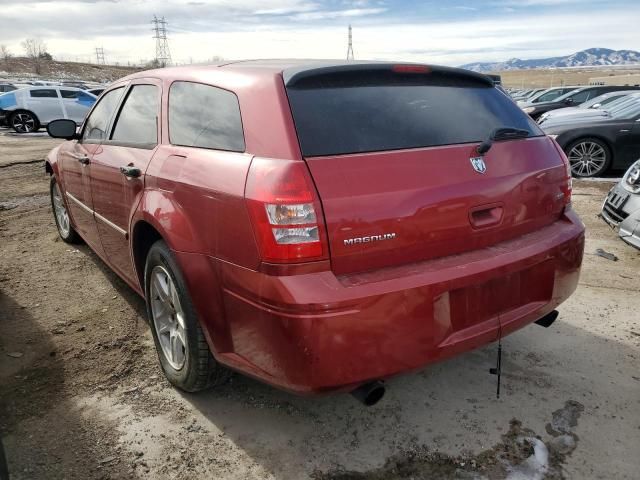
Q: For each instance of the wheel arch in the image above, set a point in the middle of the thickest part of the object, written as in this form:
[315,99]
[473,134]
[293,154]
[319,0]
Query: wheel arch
[51,162]
[143,236]
[159,217]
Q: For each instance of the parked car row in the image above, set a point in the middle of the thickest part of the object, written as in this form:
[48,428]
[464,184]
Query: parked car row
[27,109]
[597,126]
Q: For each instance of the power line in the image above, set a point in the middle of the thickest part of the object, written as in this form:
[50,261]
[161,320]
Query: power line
[100,55]
[163,55]
[350,55]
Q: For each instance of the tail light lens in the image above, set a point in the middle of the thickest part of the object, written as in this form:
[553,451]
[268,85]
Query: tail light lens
[567,186]
[285,211]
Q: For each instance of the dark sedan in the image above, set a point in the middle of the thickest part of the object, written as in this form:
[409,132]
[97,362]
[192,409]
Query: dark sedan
[573,99]
[607,142]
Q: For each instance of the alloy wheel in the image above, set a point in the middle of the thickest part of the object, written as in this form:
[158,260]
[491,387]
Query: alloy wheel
[168,317]
[587,159]
[60,211]
[23,123]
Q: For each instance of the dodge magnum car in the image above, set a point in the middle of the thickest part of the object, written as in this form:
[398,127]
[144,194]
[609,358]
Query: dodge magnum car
[319,226]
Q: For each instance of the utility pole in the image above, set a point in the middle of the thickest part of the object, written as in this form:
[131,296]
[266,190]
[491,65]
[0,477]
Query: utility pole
[100,55]
[350,55]
[163,55]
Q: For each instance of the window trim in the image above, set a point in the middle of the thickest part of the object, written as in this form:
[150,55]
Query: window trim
[118,112]
[244,140]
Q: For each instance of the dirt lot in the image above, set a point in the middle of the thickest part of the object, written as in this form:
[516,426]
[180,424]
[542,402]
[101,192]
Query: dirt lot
[82,396]
[558,76]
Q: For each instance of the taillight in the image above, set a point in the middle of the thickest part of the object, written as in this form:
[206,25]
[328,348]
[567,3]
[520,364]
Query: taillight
[567,186]
[285,211]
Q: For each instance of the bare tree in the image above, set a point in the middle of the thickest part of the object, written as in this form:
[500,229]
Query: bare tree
[36,50]
[5,55]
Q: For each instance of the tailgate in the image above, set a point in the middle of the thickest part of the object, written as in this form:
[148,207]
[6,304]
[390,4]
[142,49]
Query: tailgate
[392,208]
[392,150]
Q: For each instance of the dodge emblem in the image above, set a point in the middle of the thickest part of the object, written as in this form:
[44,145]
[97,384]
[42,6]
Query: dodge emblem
[478,164]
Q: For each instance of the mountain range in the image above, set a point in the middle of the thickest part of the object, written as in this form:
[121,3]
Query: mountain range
[585,58]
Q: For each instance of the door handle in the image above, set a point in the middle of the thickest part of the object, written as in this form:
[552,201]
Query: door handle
[83,159]
[130,172]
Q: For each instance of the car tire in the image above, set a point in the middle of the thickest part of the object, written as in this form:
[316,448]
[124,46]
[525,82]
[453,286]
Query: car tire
[23,121]
[588,157]
[61,214]
[180,343]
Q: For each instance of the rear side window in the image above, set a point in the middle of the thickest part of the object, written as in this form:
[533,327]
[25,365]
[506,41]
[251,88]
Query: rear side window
[137,122]
[43,93]
[353,112]
[204,116]
[98,122]
[547,97]
[69,93]
[582,96]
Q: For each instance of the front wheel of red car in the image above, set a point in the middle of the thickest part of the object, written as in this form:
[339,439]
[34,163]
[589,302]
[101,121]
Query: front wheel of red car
[61,214]
[182,349]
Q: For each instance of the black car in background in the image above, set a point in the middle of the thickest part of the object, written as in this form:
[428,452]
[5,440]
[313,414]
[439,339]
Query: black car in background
[594,146]
[573,98]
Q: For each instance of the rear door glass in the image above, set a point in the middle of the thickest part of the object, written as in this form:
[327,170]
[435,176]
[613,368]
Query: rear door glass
[355,112]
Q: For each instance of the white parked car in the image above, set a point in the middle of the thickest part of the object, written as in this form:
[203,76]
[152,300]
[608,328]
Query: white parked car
[27,109]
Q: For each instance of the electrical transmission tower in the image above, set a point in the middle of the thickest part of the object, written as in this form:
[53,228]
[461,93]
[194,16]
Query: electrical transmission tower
[163,55]
[100,55]
[350,47]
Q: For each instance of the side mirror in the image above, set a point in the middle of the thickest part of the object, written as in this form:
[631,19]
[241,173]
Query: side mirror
[568,101]
[62,128]
[596,105]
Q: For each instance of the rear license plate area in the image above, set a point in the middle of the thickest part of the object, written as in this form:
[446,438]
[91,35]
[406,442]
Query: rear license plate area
[478,303]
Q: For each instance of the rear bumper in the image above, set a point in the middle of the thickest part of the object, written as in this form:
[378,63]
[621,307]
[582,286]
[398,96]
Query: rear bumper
[319,332]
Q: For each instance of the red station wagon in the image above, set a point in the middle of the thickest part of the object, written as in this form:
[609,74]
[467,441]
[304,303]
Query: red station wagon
[319,226]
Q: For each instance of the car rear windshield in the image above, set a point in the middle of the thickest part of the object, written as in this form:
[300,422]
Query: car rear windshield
[342,113]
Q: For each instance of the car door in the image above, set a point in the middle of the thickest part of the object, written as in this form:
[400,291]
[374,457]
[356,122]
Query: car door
[45,103]
[118,169]
[628,143]
[76,104]
[75,159]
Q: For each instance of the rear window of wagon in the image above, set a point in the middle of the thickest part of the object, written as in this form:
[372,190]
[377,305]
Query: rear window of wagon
[376,111]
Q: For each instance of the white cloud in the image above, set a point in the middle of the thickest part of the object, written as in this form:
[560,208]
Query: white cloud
[236,29]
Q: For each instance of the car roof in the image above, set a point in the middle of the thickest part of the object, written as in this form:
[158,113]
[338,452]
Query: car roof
[292,69]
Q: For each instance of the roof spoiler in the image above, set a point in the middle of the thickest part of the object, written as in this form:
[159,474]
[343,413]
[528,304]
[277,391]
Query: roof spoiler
[294,75]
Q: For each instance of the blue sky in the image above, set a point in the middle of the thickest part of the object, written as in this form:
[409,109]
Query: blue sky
[444,32]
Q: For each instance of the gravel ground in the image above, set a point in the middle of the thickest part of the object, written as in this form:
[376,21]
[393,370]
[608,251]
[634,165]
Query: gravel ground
[82,396]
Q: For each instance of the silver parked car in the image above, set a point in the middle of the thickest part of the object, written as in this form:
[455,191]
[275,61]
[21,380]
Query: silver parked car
[27,109]
[590,107]
[621,208]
